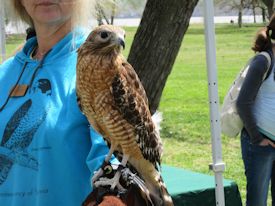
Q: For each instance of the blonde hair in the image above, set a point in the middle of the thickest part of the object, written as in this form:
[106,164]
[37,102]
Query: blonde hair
[81,12]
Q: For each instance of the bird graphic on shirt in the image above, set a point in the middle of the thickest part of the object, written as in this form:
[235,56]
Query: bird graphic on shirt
[20,130]
[112,97]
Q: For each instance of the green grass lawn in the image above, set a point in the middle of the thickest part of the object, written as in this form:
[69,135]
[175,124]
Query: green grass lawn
[184,103]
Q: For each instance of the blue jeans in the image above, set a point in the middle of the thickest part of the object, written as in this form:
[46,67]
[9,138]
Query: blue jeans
[258,163]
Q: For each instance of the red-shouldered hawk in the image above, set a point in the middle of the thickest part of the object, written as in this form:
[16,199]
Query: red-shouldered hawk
[112,97]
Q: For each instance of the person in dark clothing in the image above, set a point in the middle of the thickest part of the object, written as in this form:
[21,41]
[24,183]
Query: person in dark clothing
[256,107]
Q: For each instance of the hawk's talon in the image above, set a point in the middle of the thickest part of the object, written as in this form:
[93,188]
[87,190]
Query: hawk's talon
[116,180]
[120,167]
[104,181]
[97,175]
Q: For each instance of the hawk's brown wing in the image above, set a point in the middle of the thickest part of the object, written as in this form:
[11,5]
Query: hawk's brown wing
[131,101]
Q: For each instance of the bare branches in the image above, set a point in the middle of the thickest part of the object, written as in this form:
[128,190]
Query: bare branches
[107,10]
[247,5]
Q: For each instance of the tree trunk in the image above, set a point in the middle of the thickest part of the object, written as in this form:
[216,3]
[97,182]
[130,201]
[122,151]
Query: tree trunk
[100,14]
[240,14]
[240,21]
[157,42]
[113,12]
[263,14]
[269,4]
[254,10]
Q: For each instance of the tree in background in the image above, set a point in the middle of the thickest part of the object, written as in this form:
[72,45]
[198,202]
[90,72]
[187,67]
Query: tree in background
[259,4]
[270,7]
[240,13]
[263,5]
[241,5]
[235,5]
[113,12]
[157,42]
[107,10]
[100,13]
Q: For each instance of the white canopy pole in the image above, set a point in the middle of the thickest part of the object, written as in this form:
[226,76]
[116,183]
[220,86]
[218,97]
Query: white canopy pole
[2,31]
[217,166]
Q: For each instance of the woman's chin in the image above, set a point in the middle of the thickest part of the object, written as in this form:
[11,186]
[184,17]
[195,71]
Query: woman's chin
[48,15]
[51,19]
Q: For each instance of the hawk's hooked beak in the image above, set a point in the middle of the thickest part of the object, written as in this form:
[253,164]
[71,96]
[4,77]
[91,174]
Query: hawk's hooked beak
[121,42]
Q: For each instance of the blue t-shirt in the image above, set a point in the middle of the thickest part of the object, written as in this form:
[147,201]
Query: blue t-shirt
[48,152]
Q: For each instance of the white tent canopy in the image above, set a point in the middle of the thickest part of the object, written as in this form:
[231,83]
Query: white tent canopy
[217,166]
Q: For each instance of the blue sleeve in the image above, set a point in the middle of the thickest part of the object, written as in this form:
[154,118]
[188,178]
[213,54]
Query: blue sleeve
[98,151]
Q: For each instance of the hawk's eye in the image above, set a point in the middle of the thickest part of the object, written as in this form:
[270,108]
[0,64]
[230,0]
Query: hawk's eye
[104,35]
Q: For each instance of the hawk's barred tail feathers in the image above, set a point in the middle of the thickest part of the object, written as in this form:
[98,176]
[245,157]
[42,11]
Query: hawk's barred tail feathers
[164,193]
[154,182]
[157,118]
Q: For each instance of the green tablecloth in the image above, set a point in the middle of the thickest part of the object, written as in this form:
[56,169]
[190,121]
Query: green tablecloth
[189,188]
